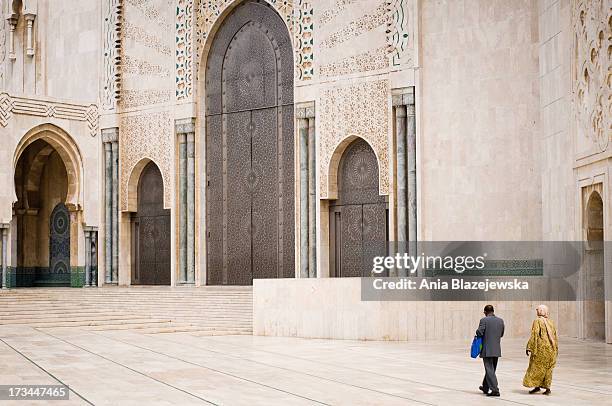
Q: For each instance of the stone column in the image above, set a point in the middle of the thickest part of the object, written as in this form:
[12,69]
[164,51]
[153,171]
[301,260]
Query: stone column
[405,135]
[191,207]
[4,229]
[312,197]
[308,202]
[303,130]
[185,130]
[115,149]
[411,167]
[110,138]
[400,140]
[87,258]
[182,207]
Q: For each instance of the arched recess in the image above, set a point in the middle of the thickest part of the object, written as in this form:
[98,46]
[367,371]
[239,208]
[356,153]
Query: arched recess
[358,216]
[334,164]
[68,150]
[249,147]
[47,199]
[594,276]
[150,228]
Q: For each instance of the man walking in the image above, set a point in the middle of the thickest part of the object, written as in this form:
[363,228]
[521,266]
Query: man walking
[491,329]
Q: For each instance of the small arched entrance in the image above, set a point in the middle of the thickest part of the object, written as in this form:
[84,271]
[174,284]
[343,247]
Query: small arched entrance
[594,282]
[42,217]
[358,218]
[151,231]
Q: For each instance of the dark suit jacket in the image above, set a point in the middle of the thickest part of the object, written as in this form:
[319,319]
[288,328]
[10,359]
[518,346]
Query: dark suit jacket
[491,329]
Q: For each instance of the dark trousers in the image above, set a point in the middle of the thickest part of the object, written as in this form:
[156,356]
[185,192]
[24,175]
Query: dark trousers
[490,379]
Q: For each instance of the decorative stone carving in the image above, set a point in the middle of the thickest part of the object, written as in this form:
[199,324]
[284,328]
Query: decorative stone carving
[331,13]
[370,60]
[363,24]
[195,18]
[355,110]
[10,105]
[591,70]
[399,33]
[304,41]
[138,66]
[112,53]
[147,56]
[2,49]
[184,49]
[136,134]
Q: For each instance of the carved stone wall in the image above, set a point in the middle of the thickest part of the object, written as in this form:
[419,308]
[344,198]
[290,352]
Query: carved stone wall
[147,52]
[363,35]
[591,21]
[112,53]
[195,19]
[355,110]
[2,49]
[147,135]
[10,105]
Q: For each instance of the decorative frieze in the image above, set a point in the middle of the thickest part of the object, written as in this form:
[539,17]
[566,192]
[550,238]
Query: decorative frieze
[195,19]
[147,135]
[591,70]
[304,41]
[398,37]
[363,24]
[360,110]
[144,97]
[10,105]
[112,53]
[145,38]
[136,66]
[367,61]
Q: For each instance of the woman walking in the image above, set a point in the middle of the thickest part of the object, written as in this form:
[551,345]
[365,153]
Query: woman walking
[542,350]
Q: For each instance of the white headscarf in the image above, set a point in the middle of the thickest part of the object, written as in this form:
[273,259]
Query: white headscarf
[542,312]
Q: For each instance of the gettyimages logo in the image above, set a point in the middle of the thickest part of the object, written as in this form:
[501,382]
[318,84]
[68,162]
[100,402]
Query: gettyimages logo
[411,264]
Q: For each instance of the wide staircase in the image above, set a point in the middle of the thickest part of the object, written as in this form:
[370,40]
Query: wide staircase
[205,310]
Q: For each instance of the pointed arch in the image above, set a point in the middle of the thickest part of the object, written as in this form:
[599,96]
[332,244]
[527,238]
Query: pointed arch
[334,164]
[69,152]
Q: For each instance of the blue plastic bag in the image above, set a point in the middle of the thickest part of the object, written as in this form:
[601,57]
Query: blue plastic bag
[476,347]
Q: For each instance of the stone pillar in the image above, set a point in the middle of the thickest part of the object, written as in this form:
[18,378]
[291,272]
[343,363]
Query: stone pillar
[115,149]
[303,130]
[182,207]
[191,207]
[312,198]
[87,257]
[4,230]
[110,138]
[405,136]
[308,202]
[185,130]
[400,140]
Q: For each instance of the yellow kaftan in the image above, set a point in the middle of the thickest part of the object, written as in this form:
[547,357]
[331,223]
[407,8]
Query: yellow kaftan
[543,354]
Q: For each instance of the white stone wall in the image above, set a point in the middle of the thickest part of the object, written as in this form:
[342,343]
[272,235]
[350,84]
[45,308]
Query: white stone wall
[332,308]
[480,123]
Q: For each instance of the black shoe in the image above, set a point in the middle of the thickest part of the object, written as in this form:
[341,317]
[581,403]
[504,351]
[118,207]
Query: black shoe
[485,391]
[535,390]
[546,392]
[494,394]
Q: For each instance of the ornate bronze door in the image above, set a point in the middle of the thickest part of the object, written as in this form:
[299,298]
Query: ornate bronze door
[358,218]
[59,241]
[249,148]
[151,231]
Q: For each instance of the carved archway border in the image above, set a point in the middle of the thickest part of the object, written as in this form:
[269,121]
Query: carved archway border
[67,149]
[334,164]
[132,185]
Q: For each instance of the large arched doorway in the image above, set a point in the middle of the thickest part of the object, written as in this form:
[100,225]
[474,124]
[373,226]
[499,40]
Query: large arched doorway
[358,218]
[595,309]
[249,148]
[151,231]
[42,217]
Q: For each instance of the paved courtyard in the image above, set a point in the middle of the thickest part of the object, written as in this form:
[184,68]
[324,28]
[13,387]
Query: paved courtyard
[125,367]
